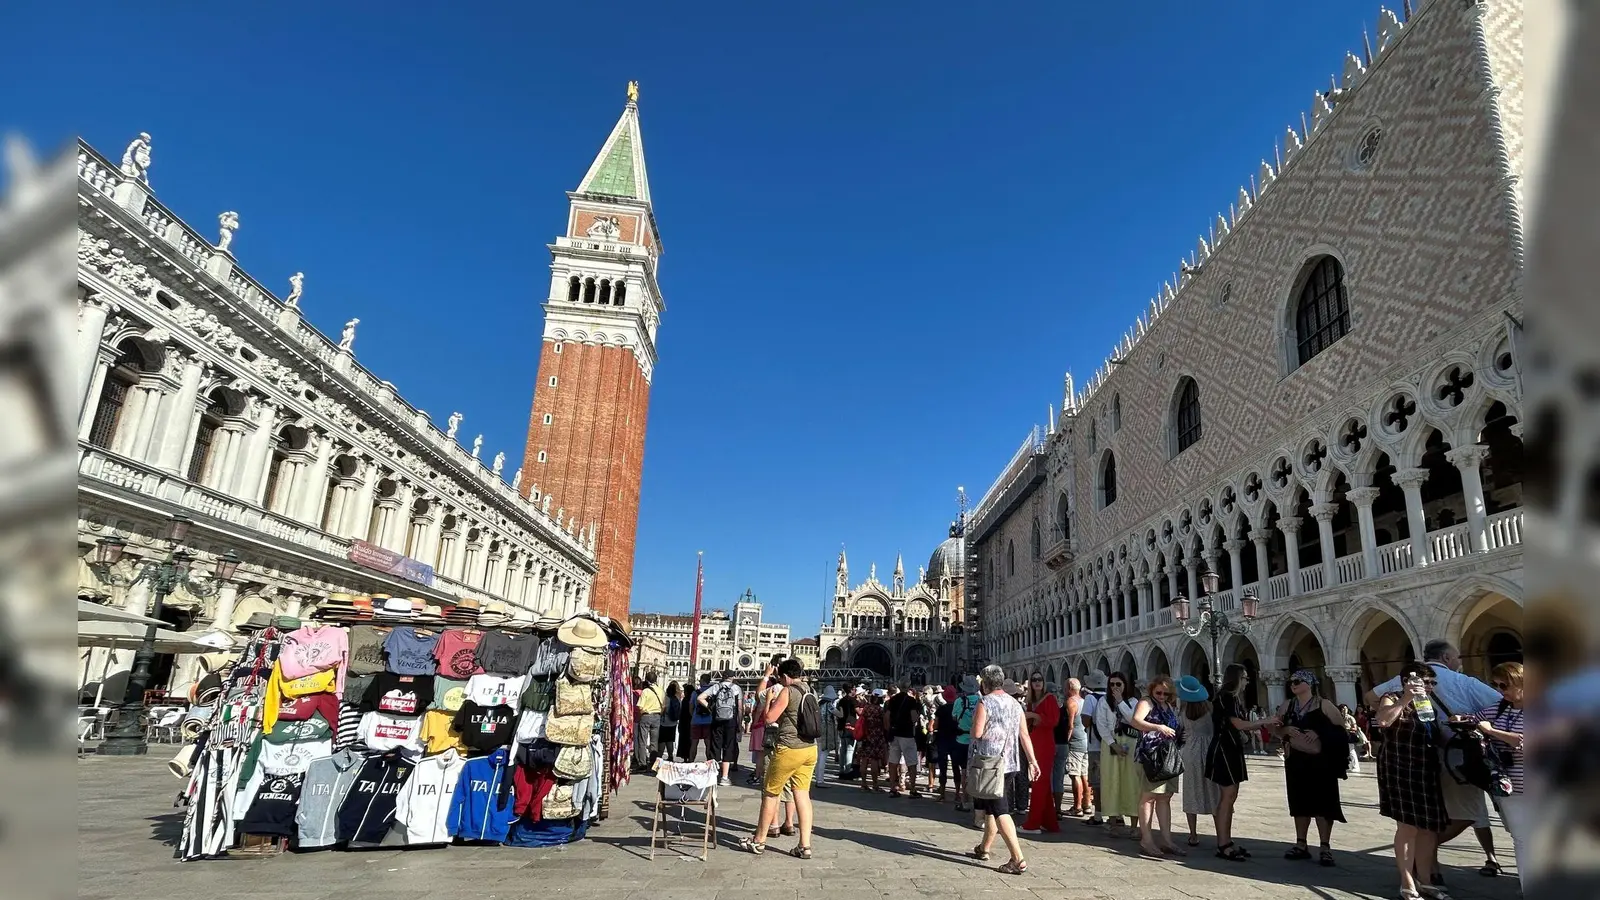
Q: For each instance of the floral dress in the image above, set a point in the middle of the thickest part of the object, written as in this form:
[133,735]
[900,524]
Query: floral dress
[873,747]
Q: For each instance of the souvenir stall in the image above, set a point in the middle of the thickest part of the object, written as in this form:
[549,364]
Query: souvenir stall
[386,722]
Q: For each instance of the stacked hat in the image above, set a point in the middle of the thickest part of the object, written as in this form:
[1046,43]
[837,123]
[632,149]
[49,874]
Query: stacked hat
[465,612]
[256,622]
[493,614]
[363,606]
[391,609]
[546,623]
[338,606]
[432,614]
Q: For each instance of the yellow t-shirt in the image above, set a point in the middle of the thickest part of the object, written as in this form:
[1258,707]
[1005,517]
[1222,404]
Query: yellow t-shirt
[439,734]
[279,687]
[650,700]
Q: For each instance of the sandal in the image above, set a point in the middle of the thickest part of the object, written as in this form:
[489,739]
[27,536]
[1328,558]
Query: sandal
[1231,852]
[1297,852]
[1174,851]
[1490,869]
[800,852]
[751,845]
[1193,841]
[1326,856]
[979,854]
[1433,892]
[1020,867]
[786,830]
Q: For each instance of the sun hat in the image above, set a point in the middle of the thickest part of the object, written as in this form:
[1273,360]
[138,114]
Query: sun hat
[1095,680]
[546,622]
[466,603]
[1190,690]
[581,631]
[969,684]
[394,606]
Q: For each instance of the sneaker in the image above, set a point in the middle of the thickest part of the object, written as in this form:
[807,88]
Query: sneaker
[725,782]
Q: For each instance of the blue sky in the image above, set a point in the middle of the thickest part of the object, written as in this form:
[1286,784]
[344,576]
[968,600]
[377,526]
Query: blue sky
[889,228]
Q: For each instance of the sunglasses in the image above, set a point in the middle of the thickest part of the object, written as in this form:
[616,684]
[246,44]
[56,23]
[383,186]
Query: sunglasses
[1500,685]
[1296,681]
[1430,682]
[1161,695]
[1036,681]
[1116,684]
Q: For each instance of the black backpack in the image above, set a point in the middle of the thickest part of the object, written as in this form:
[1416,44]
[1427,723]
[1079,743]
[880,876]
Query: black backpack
[808,721]
[1469,759]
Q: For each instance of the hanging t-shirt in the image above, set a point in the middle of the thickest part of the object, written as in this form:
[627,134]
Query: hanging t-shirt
[457,653]
[496,690]
[312,649]
[448,693]
[423,805]
[315,728]
[504,654]
[400,695]
[380,732]
[299,709]
[355,687]
[368,809]
[485,728]
[272,809]
[291,759]
[366,649]
[439,733]
[326,784]
[410,652]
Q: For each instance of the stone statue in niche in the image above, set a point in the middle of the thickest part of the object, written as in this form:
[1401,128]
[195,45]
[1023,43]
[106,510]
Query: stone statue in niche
[297,283]
[499,463]
[347,338]
[477,446]
[455,424]
[516,480]
[227,224]
[136,159]
[606,227]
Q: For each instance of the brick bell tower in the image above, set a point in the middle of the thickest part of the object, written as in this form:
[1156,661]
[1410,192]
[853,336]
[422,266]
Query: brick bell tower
[585,447]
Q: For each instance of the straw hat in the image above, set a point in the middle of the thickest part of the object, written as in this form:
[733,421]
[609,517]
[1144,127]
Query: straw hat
[547,622]
[581,631]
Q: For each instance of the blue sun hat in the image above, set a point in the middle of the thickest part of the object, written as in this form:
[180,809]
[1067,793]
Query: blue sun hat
[1190,690]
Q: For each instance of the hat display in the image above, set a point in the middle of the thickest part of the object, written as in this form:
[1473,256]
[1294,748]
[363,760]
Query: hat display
[256,622]
[581,631]
[465,612]
[1095,680]
[393,607]
[286,623]
[546,623]
[1190,690]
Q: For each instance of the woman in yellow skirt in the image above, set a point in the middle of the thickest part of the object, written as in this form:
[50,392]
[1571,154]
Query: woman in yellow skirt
[1120,779]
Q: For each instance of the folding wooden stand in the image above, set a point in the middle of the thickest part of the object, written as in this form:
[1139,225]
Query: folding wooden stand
[658,822]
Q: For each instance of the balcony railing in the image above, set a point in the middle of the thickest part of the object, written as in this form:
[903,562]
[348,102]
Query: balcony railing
[1058,553]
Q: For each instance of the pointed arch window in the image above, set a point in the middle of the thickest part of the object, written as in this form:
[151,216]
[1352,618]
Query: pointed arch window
[1011,557]
[1108,480]
[619,294]
[1186,415]
[1036,539]
[1322,310]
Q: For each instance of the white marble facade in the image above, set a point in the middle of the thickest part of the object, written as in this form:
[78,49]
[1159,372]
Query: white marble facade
[200,392]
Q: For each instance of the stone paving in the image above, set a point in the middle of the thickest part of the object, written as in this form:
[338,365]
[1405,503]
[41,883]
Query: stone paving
[866,846]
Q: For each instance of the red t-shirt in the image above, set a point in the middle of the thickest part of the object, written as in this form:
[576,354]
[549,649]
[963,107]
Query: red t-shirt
[456,651]
[299,709]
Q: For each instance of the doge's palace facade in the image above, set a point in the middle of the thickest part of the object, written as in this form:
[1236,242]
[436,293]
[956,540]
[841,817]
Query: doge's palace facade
[203,393]
[1323,406]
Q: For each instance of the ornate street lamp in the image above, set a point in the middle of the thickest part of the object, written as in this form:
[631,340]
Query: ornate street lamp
[129,737]
[1212,621]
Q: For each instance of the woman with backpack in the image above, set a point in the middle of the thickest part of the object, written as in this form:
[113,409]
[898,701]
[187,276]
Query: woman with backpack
[795,718]
[1318,751]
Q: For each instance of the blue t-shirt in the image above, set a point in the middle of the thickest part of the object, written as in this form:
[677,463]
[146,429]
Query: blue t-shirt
[410,653]
[702,716]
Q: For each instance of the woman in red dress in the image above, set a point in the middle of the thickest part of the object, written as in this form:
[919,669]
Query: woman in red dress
[1044,711]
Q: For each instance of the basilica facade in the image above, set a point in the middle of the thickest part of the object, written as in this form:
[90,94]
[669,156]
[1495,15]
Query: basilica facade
[1323,407]
[895,632]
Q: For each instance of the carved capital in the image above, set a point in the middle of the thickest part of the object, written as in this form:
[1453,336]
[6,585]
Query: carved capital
[1260,535]
[1410,479]
[1290,524]
[1234,545]
[1362,496]
[1274,678]
[1467,457]
[1324,512]
[1343,674]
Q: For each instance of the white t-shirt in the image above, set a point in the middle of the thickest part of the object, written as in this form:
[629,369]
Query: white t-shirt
[1091,702]
[423,806]
[380,731]
[291,759]
[496,690]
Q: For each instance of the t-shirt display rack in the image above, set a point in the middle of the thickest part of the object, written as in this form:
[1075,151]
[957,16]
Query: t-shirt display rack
[357,731]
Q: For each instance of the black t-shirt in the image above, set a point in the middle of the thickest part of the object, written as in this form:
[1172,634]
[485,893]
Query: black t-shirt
[485,728]
[273,807]
[848,707]
[1223,712]
[509,655]
[944,723]
[1063,733]
[904,710]
[398,695]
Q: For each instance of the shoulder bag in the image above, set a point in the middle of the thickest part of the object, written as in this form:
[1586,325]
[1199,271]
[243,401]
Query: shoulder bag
[573,699]
[986,777]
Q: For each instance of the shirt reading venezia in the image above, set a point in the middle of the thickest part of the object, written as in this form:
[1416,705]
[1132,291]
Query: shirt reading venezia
[410,652]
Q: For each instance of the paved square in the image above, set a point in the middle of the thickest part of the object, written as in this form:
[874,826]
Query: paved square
[866,846]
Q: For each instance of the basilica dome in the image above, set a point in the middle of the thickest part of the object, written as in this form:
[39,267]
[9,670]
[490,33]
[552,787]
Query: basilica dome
[949,560]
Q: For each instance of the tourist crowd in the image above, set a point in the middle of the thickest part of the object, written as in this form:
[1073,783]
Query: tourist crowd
[1112,754]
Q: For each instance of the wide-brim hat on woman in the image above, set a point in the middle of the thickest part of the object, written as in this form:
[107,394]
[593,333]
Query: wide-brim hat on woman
[1190,690]
[969,684]
[581,631]
[1012,688]
[1095,681]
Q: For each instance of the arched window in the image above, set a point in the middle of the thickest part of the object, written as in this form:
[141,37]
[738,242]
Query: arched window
[588,290]
[1036,539]
[619,294]
[574,289]
[280,454]
[1186,415]
[1322,311]
[1063,518]
[1116,413]
[210,421]
[124,375]
[605,293]
[1108,481]
[1011,557]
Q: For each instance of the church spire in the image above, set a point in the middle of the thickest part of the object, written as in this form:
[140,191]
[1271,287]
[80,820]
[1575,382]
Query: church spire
[618,170]
[899,575]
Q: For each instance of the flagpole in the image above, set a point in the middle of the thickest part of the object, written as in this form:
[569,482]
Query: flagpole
[694,636]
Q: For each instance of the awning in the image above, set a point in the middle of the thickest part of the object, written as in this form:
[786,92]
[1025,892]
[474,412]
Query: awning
[99,612]
[128,635]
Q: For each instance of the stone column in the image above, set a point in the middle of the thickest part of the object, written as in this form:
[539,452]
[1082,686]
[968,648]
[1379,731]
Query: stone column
[1192,571]
[92,313]
[449,553]
[138,418]
[1290,526]
[1468,459]
[358,505]
[1344,684]
[181,419]
[258,453]
[401,530]
[1130,601]
[1363,498]
[1410,481]
[90,404]
[1324,513]
[429,544]
[1147,600]
[1274,682]
[291,605]
[310,493]
[1171,571]
[492,570]
[227,603]
[223,462]
[1235,565]
[233,461]
[388,511]
[541,590]
[1261,537]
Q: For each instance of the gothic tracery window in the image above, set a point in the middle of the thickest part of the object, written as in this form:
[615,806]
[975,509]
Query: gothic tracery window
[1322,311]
[1187,414]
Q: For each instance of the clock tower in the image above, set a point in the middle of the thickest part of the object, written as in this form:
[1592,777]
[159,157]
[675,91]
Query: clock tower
[585,449]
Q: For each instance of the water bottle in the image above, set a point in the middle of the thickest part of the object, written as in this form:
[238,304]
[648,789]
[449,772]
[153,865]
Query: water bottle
[1424,710]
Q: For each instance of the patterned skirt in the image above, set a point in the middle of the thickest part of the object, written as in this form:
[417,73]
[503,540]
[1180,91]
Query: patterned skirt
[1408,779]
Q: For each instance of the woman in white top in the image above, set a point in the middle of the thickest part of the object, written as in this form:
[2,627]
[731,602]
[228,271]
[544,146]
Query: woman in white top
[997,731]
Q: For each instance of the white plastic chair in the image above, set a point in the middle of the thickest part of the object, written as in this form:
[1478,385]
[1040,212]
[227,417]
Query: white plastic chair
[164,721]
[85,734]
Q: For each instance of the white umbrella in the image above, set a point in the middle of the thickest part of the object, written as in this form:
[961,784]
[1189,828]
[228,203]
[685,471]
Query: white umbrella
[124,635]
[98,612]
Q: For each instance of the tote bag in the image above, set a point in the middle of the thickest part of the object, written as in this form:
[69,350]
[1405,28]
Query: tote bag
[573,699]
[986,777]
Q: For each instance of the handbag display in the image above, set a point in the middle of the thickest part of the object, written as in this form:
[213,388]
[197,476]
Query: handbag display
[986,777]
[586,666]
[574,763]
[573,699]
[558,803]
[569,731]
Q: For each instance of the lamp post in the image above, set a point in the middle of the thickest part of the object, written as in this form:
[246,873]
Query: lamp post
[1212,621]
[129,737]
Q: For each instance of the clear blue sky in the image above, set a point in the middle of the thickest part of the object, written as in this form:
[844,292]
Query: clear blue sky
[889,227]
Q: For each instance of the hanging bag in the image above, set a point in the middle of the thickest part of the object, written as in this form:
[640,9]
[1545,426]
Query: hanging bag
[586,666]
[986,777]
[574,763]
[558,803]
[569,731]
[573,699]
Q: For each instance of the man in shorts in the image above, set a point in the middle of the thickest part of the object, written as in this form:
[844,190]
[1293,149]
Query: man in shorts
[900,717]
[1094,691]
